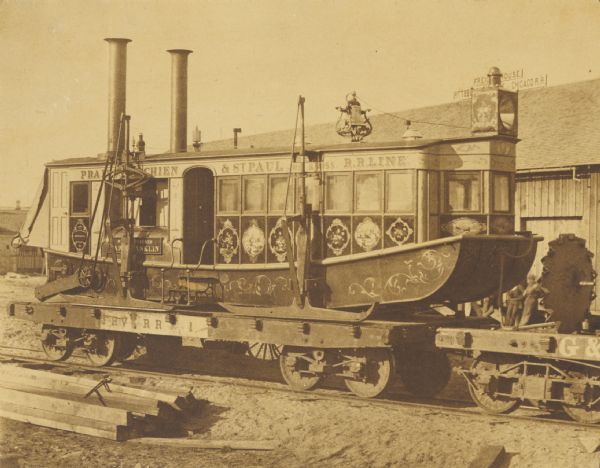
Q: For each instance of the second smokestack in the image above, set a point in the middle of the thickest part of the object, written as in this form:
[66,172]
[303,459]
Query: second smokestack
[179,92]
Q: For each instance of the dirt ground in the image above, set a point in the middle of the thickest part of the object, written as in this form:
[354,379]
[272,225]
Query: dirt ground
[310,431]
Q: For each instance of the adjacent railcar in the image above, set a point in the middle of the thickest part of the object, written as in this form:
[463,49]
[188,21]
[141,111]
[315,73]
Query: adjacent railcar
[554,364]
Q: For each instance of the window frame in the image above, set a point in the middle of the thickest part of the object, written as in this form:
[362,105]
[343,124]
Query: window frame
[387,197]
[218,211]
[447,176]
[81,214]
[291,191]
[508,175]
[140,205]
[357,174]
[350,175]
[265,194]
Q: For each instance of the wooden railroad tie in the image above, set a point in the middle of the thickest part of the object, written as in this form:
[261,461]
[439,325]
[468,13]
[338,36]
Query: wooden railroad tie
[91,407]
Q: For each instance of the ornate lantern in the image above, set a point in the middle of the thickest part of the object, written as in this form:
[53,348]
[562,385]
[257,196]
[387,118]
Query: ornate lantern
[353,121]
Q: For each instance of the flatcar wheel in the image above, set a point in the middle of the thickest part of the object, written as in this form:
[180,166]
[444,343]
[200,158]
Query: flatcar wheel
[103,348]
[294,369]
[582,414]
[424,373]
[265,351]
[128,345]
[376,373]
[482,396]
[56,343]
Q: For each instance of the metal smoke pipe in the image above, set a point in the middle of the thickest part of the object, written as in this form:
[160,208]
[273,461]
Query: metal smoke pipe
[179,92]
[117,81]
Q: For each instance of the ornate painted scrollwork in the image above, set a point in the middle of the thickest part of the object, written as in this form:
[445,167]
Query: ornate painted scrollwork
[399,231]
[228,241]
[253,240]
[464,225]
[277,244]
[367,234]
[338,236]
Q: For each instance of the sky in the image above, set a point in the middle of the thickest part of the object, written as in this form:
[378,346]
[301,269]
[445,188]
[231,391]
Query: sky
[253,58]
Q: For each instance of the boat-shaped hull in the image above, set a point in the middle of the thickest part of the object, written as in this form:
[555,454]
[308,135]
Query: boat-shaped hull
[454,269]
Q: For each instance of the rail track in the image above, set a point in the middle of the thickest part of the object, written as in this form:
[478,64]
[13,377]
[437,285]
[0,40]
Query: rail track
[394,401]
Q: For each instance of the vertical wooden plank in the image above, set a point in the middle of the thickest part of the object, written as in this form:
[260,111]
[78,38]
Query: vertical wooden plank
[517,205]
[537,192]
[551,197]
[557,194]
[564,197]
[578,190]
[571,197]
[544,196]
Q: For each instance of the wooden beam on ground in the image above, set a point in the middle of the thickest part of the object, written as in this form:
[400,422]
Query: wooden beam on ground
[64,422]
[62,406]
[209,444]
[135,405]
[43,375]
[490,456]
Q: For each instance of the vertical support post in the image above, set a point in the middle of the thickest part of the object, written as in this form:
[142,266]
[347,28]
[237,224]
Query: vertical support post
[422,206]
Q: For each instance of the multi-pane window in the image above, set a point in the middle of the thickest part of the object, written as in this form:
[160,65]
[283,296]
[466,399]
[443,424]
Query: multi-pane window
[501,187]
[338,192]
[229,195]
[278,185]
[400,194]
[154,203]
[463,192]
[368,192]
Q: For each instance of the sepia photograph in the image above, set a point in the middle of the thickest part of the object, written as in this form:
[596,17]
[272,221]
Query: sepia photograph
[299,233]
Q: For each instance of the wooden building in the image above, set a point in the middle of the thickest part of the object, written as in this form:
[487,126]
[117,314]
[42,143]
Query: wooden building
[558,157]
[23,260]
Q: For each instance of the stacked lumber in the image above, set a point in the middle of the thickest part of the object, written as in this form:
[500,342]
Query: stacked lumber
[95,407]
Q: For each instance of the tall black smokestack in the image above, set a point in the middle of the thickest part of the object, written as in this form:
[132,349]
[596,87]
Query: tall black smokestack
[117,80]
[179,92]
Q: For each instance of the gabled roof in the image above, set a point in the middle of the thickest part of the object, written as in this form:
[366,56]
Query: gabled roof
[558,126]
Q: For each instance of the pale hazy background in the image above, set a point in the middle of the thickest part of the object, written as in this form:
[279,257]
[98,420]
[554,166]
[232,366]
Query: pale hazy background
[252,58]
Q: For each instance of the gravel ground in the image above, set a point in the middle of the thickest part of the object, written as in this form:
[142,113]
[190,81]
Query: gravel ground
[310,431]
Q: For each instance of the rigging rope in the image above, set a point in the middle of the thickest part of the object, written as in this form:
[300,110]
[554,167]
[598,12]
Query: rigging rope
[411,120]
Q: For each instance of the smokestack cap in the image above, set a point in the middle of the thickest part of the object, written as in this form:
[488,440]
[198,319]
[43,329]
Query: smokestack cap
[117,39]
[180,51]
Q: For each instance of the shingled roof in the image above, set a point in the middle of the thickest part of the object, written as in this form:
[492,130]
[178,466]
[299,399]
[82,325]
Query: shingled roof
[558,126]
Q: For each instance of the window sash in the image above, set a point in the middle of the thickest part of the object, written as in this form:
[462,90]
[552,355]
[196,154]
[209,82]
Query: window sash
[76,198]
[501,187]
[400,195]
[463,192]
[230,187]
[368,198]
[338,194]
[255,194]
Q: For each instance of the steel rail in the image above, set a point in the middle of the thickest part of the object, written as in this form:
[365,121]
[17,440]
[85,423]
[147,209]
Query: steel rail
[449,406]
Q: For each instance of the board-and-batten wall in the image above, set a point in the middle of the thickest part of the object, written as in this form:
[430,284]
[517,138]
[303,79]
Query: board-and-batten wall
[552,203]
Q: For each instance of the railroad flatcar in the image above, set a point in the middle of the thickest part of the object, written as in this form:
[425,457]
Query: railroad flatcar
[338,255]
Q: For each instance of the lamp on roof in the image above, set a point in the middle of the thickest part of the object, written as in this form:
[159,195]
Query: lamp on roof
[493,108]
[410,133]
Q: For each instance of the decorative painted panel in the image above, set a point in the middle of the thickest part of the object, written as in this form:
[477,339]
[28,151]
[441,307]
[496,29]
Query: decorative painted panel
[228,240]
[398,230]
[338,235]
[457,225]
[367,233]
[253,239]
